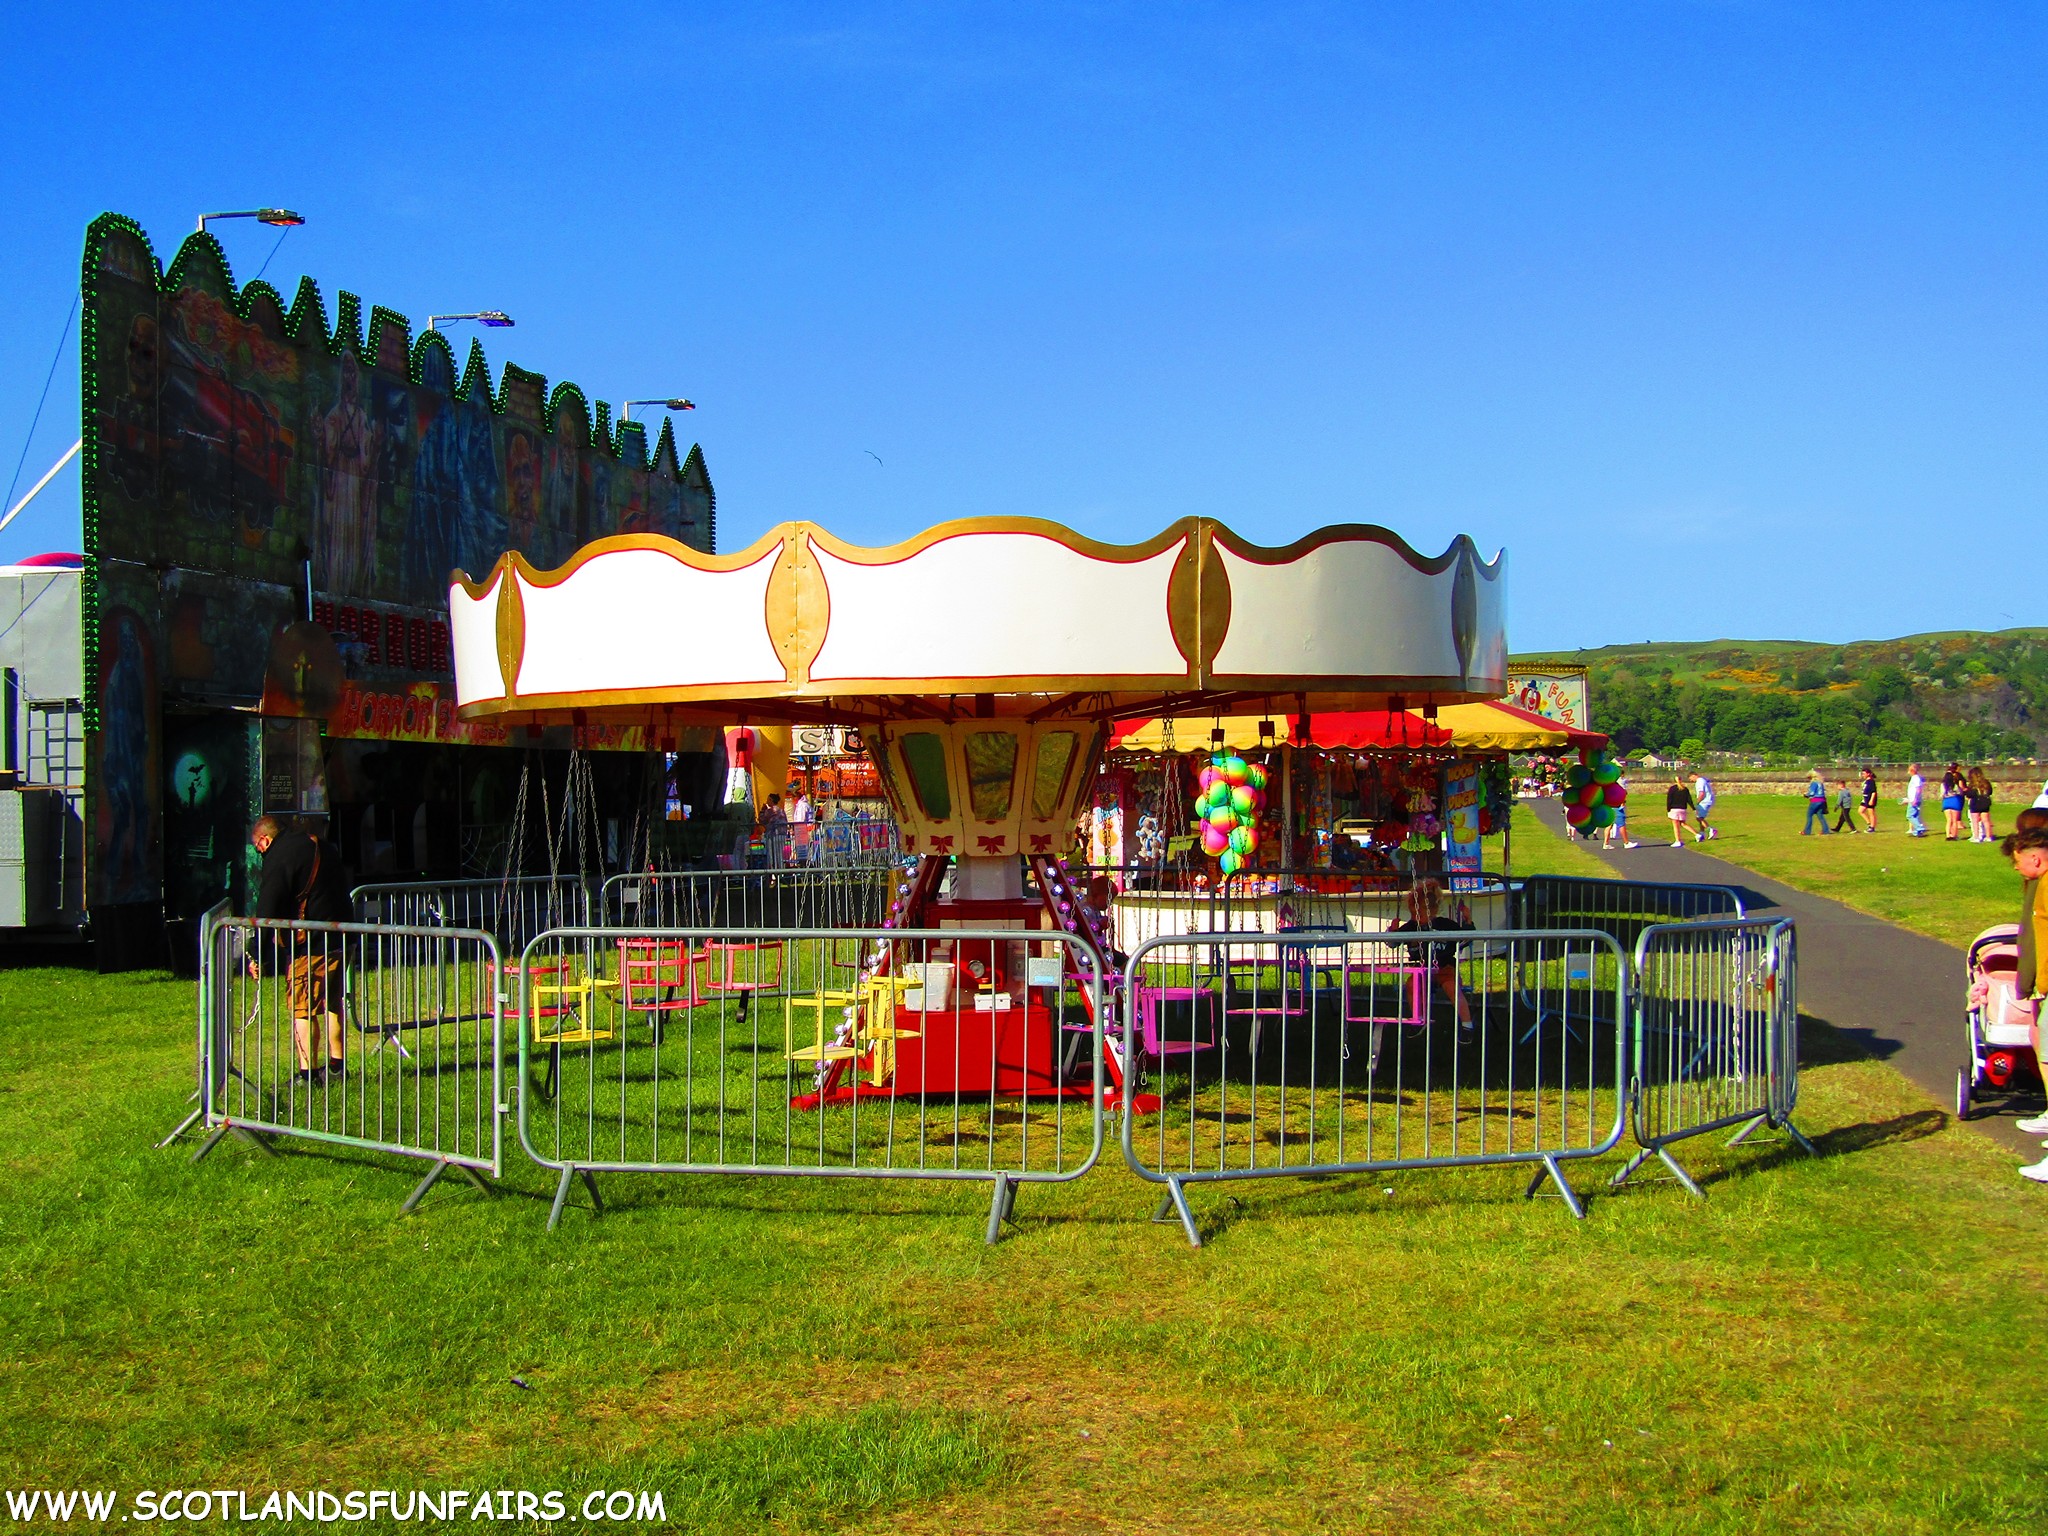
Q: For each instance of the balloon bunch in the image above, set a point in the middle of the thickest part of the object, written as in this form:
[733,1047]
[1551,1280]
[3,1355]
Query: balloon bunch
[1233,793]
[1593,791]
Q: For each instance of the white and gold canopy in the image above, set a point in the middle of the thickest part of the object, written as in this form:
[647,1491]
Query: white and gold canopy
[1026,616]
[994,649]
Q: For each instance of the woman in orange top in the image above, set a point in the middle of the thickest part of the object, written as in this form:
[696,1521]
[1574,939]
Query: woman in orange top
[2028,851]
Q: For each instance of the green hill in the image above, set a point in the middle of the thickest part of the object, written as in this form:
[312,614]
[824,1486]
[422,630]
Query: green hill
[1969,695]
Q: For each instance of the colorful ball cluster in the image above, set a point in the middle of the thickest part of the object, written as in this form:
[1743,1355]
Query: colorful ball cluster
[1593,791]
[1233,793]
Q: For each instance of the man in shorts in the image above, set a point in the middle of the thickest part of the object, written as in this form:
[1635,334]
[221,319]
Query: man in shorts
[1703,803]
[302,882]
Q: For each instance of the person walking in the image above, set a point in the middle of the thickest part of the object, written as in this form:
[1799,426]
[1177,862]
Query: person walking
[1678,805]
[1845,807]
[1977,800]
[1916,793]
[1870,799]
[302,882]
[1816,803]
[1617,829]
[1952,802]
[1703,803]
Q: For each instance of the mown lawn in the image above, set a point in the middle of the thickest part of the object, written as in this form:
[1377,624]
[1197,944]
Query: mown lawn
[1950,891]
[1832,1345]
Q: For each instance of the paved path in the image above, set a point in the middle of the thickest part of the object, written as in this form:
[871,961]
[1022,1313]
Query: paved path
[1897,993]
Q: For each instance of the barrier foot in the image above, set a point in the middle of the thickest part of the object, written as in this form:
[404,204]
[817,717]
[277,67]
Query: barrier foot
[1683,1177]
[259,1142]
[1743,1134]
[1002,1202]
[1621,1178]
[479,1180]
[213,1140]
[419,1190]
[1799,1136]
[1555,1174]
[1176,1200]
[562,1195]
[561,1198]
[184,1125]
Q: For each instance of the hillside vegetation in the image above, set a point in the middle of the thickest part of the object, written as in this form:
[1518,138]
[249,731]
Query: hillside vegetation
[1969,695]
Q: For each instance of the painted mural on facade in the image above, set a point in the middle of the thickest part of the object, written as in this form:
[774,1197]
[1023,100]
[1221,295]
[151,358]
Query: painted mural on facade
[246,460]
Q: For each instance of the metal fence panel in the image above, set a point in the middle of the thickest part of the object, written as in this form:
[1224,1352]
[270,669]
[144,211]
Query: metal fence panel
[932,1054]
[1150,901]
[1296,1054]
[1717,1035]
[415,1012]
[1622,908]
[834,896]
[511,909]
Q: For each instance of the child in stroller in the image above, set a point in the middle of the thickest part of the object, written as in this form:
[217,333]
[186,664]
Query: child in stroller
[2001,1023]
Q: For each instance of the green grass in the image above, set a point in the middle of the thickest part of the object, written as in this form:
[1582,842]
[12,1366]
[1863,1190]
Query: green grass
[1949,891]
[1539,851]
[1833,1345]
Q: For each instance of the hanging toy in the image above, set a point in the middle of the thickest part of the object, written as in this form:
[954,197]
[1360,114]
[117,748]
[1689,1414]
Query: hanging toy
[1232,795]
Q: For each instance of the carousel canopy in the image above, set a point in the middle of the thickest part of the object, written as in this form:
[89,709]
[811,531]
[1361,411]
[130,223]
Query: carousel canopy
[1490,726]
[991,617]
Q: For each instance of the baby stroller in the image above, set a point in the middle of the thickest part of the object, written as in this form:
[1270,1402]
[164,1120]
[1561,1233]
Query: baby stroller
[2002,1056]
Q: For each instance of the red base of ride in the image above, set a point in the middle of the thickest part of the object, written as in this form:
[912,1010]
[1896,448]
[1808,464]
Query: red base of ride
[846,1093]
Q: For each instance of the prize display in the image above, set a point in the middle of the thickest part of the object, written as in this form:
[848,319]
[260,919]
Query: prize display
[1227,809]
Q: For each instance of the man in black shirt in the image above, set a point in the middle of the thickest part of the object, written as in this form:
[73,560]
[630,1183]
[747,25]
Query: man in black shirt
[302,882]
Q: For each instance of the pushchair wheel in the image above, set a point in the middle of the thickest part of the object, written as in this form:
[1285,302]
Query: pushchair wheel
[1965,1078]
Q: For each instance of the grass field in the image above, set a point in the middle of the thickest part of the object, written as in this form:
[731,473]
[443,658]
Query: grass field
[1950,891]
[1832,1345]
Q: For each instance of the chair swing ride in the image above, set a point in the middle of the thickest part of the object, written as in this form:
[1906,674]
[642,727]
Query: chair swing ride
[985,662]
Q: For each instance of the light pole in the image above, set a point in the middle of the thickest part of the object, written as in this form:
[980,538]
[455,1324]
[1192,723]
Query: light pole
[626,411]
[496,318]
[277,218]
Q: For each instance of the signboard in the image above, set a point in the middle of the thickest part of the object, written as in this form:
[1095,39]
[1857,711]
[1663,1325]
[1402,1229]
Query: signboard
[1556,692]
[825,741]
[1461,820]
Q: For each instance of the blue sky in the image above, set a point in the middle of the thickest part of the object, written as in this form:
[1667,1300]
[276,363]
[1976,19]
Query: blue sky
[1725,319]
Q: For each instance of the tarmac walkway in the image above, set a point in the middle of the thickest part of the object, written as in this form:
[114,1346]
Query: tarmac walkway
[1897,994]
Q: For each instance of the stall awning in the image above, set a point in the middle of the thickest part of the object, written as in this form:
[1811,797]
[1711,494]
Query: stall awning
[1488,727]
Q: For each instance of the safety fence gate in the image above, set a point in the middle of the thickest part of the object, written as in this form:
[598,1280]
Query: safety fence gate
[1308,1054]
[1717,1036]
[380,1037]
[953,1054]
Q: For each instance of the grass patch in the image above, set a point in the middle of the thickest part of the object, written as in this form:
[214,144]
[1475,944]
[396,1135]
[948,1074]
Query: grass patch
[1830,1345]
[1949,891]
[1540,851]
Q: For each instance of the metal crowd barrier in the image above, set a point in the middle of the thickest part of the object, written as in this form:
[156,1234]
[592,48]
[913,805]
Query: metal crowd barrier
[414,1010]
[840,896]
[948,1055]
[1622,908]
[512,909]
[1146,902]
[1307,1054]
[1717,1036]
